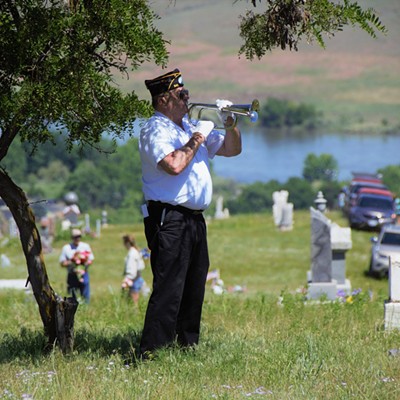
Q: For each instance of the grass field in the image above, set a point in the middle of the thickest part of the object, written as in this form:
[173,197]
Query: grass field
[264,343]
[354,81]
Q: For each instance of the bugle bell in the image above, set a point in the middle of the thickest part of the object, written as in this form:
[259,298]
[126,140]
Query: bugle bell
[246,110]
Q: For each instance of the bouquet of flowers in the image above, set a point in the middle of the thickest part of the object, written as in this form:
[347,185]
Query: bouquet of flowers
[80,260]
[126,283]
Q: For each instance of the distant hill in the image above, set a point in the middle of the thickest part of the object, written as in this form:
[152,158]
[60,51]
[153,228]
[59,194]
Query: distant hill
[355,81]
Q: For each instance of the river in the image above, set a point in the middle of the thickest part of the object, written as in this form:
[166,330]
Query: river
[281,156]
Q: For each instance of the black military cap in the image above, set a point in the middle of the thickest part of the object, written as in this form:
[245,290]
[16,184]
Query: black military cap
[164,83]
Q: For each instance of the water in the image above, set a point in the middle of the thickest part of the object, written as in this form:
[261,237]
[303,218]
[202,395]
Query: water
[279,156]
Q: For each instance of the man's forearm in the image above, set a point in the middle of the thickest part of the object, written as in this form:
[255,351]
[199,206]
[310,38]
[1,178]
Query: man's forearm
[175,162]
[232,145]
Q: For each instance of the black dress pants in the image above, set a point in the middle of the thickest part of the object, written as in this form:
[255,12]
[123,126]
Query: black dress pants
[179,262]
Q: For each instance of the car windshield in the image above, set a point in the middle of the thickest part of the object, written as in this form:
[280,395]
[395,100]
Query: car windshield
[391,238]
[376,202]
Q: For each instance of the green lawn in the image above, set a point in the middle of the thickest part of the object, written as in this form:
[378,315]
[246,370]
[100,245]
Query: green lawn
[264,343]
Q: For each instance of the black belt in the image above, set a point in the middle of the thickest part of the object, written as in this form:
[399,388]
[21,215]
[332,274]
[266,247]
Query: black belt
[184,210]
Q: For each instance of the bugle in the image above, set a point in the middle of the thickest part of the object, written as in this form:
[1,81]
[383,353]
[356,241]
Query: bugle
[246,110]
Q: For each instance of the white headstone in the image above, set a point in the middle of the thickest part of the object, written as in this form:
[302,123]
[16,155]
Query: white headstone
[13,229]
[4,261]
[340,237]
[282,210]
[87,223]
[392,307]
[340,244]
[104,218]
[220,212]
[394,279]
[98,227]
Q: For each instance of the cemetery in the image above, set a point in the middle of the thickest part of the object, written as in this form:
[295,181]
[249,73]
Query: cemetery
[288,308]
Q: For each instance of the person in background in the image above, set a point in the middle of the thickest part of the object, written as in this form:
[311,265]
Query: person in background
[177,187]
[134,264]
[77,256]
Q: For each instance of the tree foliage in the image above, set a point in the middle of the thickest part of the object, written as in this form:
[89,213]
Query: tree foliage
[284,23]
[391,178]
[323,167]
[57,67]
[254,197]
[257,197]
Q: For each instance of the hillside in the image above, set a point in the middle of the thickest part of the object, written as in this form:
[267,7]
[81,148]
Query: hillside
[354,81]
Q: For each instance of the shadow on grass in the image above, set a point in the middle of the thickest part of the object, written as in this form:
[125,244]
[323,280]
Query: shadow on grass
[31,345]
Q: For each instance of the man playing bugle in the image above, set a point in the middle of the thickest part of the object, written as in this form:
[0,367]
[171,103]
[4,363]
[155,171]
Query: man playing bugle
[177,187]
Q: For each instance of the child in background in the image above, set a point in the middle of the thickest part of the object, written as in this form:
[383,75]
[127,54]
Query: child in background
[134,264]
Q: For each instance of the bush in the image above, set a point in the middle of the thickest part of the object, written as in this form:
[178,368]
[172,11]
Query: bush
[254,197]
[278,113]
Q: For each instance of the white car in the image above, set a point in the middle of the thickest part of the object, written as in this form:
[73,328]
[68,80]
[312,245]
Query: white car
[384,246]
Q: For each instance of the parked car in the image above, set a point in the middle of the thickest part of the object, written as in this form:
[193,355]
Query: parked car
[386,245]
[366,176]
[372,211]
[354,189]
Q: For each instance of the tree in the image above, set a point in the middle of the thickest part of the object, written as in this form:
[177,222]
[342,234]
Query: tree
[323,167]
[391,178]
[301,193]
[284,23]
[57,62]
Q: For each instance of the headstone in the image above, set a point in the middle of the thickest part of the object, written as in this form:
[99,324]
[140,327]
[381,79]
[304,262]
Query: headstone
[282,210]
[340,244]
[394,279]
[18,284]
[4,261]
[98,228]
[220,212]
[46,236]
[392,306]
[71,213]
[87,223]
[287,217]
[13,228]
[104,220]
[321,254]
[329,243]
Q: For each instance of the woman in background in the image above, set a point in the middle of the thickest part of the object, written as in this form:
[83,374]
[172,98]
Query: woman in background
[134,264]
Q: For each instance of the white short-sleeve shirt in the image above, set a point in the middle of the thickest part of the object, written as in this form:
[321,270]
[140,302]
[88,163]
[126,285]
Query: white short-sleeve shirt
[68,251]
[192,188]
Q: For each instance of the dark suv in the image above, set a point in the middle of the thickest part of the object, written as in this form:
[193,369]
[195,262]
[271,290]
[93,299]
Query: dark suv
[354,189]
[372,211]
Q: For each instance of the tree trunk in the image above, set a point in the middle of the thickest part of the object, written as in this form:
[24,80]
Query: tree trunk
[57,314]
